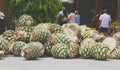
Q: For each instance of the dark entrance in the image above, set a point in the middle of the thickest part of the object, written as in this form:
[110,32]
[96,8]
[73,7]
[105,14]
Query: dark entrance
[111,5]
[85,7]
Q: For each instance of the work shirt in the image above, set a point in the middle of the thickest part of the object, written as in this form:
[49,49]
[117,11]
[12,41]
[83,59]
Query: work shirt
[61,13]
[2,15]
[105,20]
[71,17]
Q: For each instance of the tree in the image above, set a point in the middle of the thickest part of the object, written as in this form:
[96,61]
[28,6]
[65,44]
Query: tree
[40,10]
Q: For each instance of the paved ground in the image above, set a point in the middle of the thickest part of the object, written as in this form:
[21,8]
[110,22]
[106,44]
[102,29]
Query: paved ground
[48,63]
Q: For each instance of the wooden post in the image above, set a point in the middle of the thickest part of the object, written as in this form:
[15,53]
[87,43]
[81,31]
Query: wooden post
[118,10]
[78,5]
[2,5]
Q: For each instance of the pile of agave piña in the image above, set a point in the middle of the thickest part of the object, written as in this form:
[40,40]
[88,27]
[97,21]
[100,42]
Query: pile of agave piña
[63,42]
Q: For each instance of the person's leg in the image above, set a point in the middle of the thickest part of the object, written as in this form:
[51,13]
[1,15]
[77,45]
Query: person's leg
[104,31]
[101,30]
[97,26]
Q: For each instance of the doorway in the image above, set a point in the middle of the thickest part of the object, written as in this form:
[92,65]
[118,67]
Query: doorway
[111,5]
[85,7]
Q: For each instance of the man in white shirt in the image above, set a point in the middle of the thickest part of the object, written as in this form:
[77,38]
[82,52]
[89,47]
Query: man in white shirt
[105,22]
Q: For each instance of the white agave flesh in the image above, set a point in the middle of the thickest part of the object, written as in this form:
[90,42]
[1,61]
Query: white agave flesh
[97,36]
[89,41]
[68,31]
[111,42]
[73,38]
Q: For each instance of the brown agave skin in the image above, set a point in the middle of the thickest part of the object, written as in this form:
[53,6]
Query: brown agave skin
[73,50]
[2,54]
[115,53]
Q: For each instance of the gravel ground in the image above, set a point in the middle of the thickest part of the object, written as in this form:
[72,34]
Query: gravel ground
[48,63]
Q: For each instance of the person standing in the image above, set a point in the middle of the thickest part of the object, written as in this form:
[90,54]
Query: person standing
[92,17]
[77,17]
[62,17]
[2,22]
[97,21]
[71,17]
[105,22]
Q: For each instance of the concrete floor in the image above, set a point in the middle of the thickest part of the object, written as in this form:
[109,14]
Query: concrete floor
[48,63]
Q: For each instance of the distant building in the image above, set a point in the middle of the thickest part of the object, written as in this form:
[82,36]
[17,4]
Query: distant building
[112,5]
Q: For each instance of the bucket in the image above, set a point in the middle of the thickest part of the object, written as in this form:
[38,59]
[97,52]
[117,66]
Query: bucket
[93,28]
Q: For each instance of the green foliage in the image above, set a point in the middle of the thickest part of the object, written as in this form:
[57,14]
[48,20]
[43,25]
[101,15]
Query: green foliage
[116,23]
[40,10]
